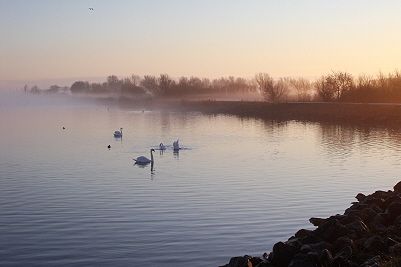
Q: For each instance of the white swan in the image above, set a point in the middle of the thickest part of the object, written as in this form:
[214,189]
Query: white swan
[162,146]
[144,160]
[119,133]
[176,145]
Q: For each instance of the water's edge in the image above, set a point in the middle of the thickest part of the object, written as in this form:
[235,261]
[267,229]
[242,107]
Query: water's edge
[367,234]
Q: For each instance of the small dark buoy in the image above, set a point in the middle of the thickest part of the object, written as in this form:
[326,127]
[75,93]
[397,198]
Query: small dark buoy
[109,146]
[63,128]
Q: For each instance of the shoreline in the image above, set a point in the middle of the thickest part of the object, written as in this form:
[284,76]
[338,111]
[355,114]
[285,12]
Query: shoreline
[356,114]
[367,234]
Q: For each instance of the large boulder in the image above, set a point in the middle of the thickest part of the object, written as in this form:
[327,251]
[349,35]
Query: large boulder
[360,197]
[331,230]
[282,254]
[317,221]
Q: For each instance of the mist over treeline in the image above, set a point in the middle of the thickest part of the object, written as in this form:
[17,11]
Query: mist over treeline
[336,86]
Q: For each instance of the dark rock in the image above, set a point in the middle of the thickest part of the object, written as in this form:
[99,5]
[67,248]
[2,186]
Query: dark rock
[347,219]
[295,243]
[306,248]
[264,264]
[302,260]
[326,259]
[374,244]
[389,200]
[265,255]
[341,262]
[396,249]
[373,262]
[313,256]
[343,242]
[345,253]
[358,227]
[238,262]
[282,254]
[390,242]
[378,223]
[360,197]
[255,261]
[317,221]
[331,230]
[393,210]
[397,187]
[303,233]
[397,220]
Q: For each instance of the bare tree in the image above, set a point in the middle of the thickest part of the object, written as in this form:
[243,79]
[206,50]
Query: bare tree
[343,83]
[334,86]
[302,87]
[272,91]
[165,83]
[150,83]
[325,88]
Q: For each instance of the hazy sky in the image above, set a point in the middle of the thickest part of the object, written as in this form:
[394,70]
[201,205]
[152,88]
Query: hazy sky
[46,39]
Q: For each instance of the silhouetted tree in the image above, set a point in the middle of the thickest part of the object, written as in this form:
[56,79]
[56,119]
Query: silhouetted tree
[165,84]
[343,83]
[150,83]
[302,87]
[80,87]
[273,91]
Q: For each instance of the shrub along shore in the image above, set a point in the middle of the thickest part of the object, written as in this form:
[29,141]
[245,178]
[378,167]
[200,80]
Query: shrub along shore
[367,234]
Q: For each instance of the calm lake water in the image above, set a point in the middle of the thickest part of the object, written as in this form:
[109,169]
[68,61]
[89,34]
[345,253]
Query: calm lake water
[239,186]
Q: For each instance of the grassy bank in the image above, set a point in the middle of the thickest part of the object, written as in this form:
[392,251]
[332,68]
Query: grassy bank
[366,114]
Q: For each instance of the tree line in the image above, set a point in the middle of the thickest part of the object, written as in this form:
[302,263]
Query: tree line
[164,86]
[336,86]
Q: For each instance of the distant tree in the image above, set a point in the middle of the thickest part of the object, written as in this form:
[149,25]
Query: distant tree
[114,84]
[98,88]
[343,83]
[325,88]
[128,86]
[272,91]
[302,87]
[35,90]
[165,84]
[135,79]
[150,83]
[334,86]
[80,87]
[53,89]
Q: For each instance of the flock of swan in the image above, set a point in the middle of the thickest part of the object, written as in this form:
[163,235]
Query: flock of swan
[142,160]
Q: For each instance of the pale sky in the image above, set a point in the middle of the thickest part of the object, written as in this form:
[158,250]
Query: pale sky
[48,39]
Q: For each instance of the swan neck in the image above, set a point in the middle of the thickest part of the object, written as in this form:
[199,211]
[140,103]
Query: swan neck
[151,155]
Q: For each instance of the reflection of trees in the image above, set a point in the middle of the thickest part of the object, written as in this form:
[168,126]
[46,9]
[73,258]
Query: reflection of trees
[343,140]
[274,128]
[338,139]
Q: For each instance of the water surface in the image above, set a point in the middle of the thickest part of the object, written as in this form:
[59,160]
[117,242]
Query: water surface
[241,186]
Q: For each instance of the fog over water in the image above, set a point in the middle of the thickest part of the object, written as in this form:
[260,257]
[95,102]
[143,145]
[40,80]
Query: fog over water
[240,186]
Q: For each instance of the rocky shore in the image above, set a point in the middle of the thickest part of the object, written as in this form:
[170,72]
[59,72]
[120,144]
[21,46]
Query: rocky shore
[367,234]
